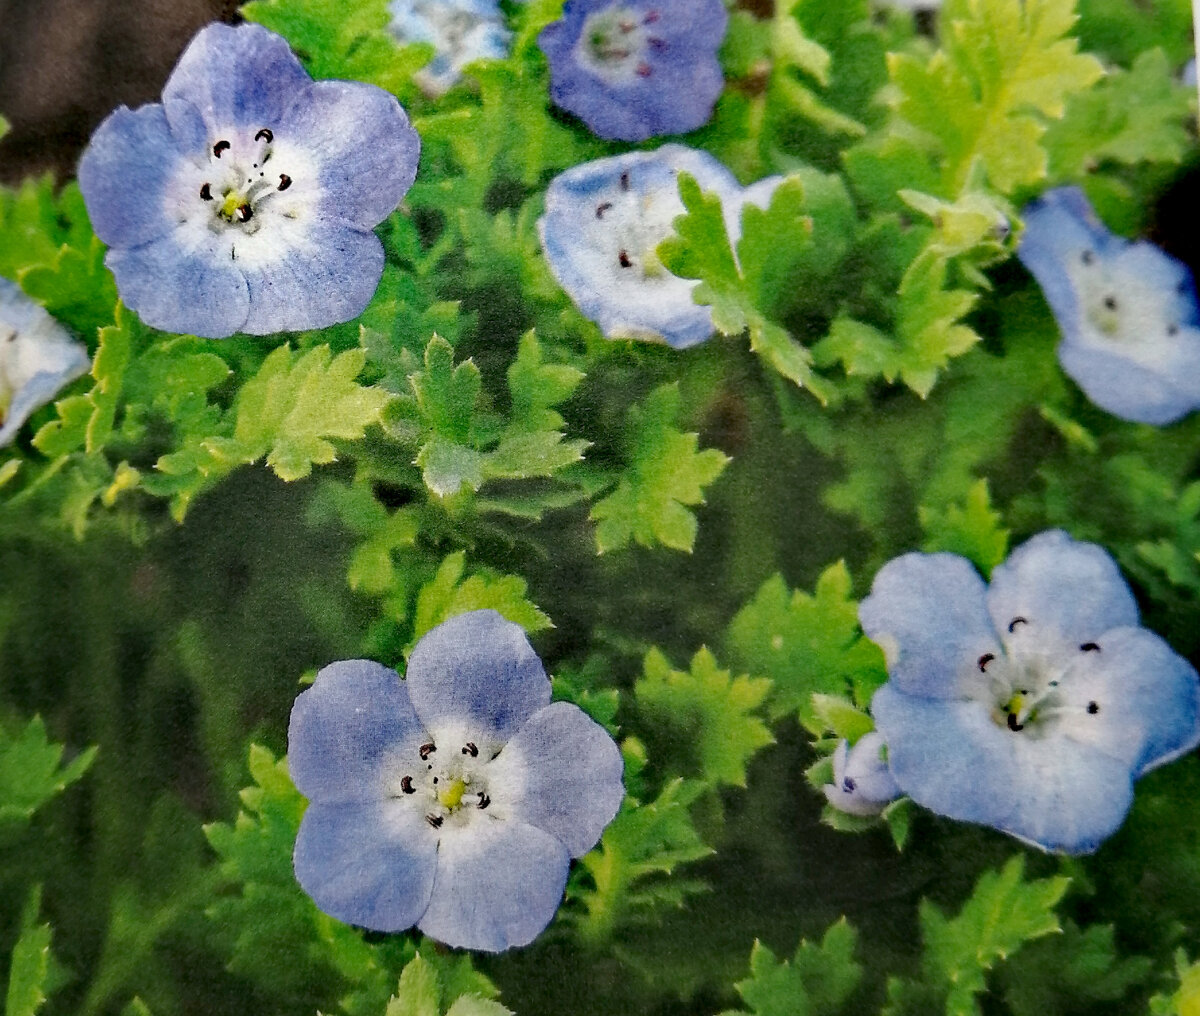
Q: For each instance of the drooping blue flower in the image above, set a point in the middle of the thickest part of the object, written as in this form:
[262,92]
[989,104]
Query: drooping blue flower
[459,30]
[603,223]
[37,359]
[246,200]
[1030,705]
[1127,311]
[862,784]
[453,800]
[637,69]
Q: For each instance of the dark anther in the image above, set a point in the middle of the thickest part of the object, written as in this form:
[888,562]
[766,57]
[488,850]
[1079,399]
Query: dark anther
[470,749]
[625,181]
[426,750]
[1087,257]
[435,821]
[484,800]
[657,44]
[984,660]
[623,258]
[651,17]
[848,784]
[1093,708]
[644,70]
[1024,691]
[1089,647]
[1012,625]
[1013,725]
[1110,302]
[244,212]
[220,147]
[285,181]
[1172,330]
[601,209]
[265,135]
[406,785]
[206,192]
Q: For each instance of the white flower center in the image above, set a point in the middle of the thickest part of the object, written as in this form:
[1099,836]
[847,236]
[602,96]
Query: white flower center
[614,44]
[8,386]
[1120,307]
[450,786]
[628,227]
[241,181]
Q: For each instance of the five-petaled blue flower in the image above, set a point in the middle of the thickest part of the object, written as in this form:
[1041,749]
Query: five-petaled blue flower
[454,800]
[1032,704]
[862,784]
[459,30]
[1127,311]
[602,226]
[637,69]
[246,200]
[37,358]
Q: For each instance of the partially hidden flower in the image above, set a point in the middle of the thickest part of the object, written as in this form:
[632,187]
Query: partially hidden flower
[37,359]
[603,223]
[460,31]
[862,784]
[637,69]
[1030,705]
[1127,311]
[246,199]
[453,800]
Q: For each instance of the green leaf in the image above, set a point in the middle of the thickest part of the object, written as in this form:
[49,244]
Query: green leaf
[806,644]
[927,323]
[419,992]
[1003,913]
[707,709]
[665,475]
[973,529]
[817,982]
[30,773]
[449,594]
[30,968]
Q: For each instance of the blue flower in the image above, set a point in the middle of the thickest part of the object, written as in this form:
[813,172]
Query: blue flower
[459,30]
[453,800]
[637,69]
[246,200]
[1032,704]
[1127,311]
[862,784]
[37,359]
[603,223]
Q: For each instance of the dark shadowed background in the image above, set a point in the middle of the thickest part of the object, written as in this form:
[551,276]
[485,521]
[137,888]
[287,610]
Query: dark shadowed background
[65,64]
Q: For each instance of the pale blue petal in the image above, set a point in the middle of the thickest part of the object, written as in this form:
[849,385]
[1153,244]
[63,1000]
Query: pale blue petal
[1067,592]
[476,677]
[498,885]
[928,614]
[1134,698]
[562,773]
[367,148]
[367,864]
[240,76]
[329,279]
[123,175]
[177,287]
[343,729]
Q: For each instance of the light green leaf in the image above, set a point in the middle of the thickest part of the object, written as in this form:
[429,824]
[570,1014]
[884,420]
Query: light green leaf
[30,773]
[817,982]
[449,594]
[30,967]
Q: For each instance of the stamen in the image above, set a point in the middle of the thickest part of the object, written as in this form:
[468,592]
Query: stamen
[484,800]
[244,212]
[623,258]
[657,44]
[625,181]
[1012,625]
[265,135]
[1093,708]
[984,660]
[406,785]
[644,70]
[426,750]
[206,192]
[1013,725]
[219,147]
[435,821]
[285,181]
[1089,647]
[1110,302]
[849,785]
[602,208]
[651,17]
[1172,330]
[1087,257]
[470,749]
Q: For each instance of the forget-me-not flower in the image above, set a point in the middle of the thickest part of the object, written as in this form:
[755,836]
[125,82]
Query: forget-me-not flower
[1030,705]
[246,199]
[453,800]
[1127,311]
[37,359]
[603,223]
[459,30]
[862,784]
[637,69]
